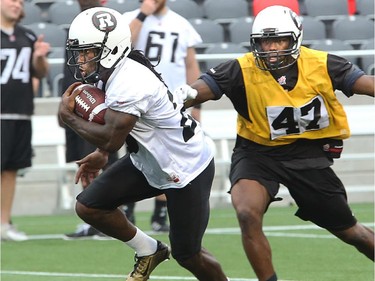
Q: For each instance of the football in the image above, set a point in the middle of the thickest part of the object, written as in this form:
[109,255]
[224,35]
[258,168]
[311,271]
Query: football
[90,104]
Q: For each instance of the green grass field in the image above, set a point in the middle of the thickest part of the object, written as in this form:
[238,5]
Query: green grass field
[301,251]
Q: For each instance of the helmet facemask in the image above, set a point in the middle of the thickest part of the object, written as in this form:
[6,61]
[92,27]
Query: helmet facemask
[265,60]
[74,51]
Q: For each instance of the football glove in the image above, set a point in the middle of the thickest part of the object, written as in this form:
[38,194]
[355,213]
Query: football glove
[185,92]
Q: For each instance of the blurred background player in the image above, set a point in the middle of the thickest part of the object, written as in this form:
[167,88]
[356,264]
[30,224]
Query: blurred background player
[167,40]
[76,147]
[23,56]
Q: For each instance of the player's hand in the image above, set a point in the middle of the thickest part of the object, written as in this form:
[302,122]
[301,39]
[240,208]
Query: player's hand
[90,166]
[184,93]
[66,107]
[41,48]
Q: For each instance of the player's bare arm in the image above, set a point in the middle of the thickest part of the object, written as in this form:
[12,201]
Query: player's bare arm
[364,85]
[204,93]
[109,136]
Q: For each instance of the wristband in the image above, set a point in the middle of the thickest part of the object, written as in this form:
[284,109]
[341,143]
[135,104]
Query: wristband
[141,16]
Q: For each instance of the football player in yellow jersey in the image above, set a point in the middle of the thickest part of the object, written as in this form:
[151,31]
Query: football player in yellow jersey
[290,127]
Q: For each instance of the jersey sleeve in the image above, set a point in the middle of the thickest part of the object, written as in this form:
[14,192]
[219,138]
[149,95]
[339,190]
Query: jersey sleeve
[343,74]
[227,76]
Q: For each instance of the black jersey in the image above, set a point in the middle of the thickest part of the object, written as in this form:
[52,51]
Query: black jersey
[16,71]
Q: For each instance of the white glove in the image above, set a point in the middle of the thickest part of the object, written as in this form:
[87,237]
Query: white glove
[185,92]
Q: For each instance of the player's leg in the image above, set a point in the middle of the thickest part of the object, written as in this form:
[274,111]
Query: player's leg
[359,236]
[98,203]
[188,210]
[159,218]
[322,199]
[250,200]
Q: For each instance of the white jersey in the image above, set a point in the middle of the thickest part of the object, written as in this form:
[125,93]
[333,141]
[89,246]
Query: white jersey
[167,38]
[172,150]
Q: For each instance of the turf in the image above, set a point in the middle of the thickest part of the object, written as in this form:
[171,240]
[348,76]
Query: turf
[306,253]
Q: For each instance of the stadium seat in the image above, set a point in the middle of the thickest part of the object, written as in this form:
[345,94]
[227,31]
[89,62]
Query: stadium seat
[186,8]
[327,9]
[313,30]
[240,29]
[32,13]
[56,71]
[259,5]
[53,34]
[225,11]
[123,6]
[334,45]
[223,48]
[209,30]
[353,29]
[367,61]
[365,8]
[63,12]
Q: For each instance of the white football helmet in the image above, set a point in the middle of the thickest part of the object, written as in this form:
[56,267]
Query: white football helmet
[104,30]
[273,22]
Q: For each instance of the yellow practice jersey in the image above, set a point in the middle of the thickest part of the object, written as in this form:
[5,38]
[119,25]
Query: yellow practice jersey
[278,117]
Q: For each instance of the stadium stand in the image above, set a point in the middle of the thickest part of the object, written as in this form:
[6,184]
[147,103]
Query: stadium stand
[53,33]
[33,13]
[239,30]
[330,45]
[63,12]
[222,48]
[365,8]
[313,30]
[225,11]
[354,30]
[209,30]
[123,5]
[367,61]
[259,5]
[186,8]
[55,74]
[327,10]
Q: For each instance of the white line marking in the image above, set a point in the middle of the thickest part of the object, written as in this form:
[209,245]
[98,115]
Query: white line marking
[86,275]
[269,231]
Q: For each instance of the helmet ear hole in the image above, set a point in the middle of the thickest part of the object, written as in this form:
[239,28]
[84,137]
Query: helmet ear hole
[115,50]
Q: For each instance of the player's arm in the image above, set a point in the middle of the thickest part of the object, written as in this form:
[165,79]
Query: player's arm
[203,94]
[147,8]
[39,59]
[364,85]
[109,137]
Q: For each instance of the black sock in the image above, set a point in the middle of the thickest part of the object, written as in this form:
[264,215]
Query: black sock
[272,278]
[160,212]
[129,211]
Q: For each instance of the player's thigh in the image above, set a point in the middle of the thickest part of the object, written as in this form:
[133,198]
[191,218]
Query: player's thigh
[119,184]
[321,198]
[188,210]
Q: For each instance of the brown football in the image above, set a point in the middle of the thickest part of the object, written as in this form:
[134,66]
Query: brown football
[90,103]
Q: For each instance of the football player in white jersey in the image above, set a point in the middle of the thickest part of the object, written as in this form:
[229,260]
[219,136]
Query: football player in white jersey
[168,152]
[167,40]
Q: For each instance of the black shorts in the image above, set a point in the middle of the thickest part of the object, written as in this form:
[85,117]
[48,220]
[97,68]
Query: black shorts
[319,193]
[188,207]
[16,149]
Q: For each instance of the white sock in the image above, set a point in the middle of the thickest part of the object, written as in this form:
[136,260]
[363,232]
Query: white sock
[142,244]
